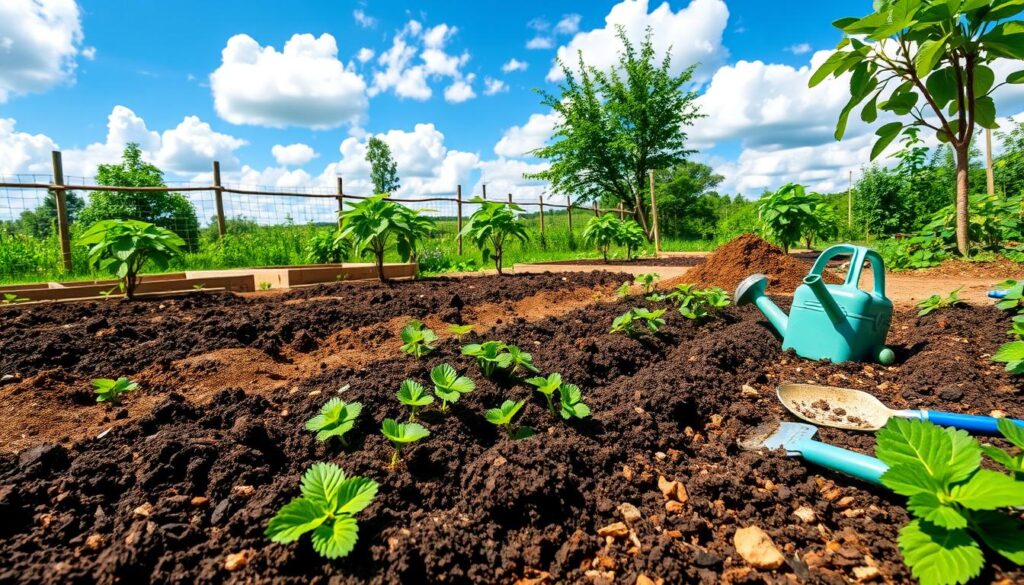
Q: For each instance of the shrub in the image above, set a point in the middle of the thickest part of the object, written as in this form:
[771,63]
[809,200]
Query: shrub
[336,418]
[787,214]
[324,247]
[418,339]
[108,390]
[631,236]
[402,434]
[602,231]
[449,385]
[647,320]
[372,223]
[647,281]
[123,246]
[327,508]
[412,394]
[503,415]
[490,227]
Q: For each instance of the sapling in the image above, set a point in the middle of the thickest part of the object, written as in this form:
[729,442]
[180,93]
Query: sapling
[460,330]
[265,286]
[402,434]
[200,286]
[489,356]
[571,399]
[108,390]
[936,302]
[696,303]
[336,418]
[647,281]
[521,359]
[327,507]
[547,387]
[418,339]
[503,415]
[638,321]
[954,502]
[412,394]
[449,385]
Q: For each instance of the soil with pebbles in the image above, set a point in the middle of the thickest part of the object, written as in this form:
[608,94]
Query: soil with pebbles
[468,505]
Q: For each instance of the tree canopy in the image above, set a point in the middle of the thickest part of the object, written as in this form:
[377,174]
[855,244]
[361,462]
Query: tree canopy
[383,170]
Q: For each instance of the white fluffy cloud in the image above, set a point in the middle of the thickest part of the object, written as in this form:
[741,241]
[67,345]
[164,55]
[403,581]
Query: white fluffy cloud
[365,54]
[460,90]
[493,86]
[294,155]
[514,64]
[304,84]
[21,152]
[799,48]
[416,57]
[569,24]
[518,141]
[690,35]
[503,176]
[39,40]
[362,19]
[540,42]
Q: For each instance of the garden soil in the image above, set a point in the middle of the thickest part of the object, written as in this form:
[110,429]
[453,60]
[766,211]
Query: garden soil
[748,254]
[183,493]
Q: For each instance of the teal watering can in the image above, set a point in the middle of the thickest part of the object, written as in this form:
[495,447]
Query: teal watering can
[839,322]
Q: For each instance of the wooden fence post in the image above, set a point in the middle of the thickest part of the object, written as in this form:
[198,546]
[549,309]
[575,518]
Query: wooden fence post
[60,197]
[597,212]
[458,215]
[218,194]
[622,212]
[654,214]
[542,216]
[568,209]
[510,198]
[341,201]
[484,187]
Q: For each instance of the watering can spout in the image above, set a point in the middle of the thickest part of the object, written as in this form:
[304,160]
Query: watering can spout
[832,309]
[751,290]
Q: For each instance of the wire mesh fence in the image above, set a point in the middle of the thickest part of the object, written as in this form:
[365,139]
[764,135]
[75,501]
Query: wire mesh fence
[236,226]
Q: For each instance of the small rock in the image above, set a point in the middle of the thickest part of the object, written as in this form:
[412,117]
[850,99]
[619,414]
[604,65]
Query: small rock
[199,501]
[642,579]
[630,514]
[673,490]
[614,530]
[499,461]
[314,393]
[805,513]
[236,561]
[660,456]
[757,548]
[716,421]
[997,413]
[864,574]
[846,501]
[627,472]
[749,391]
[674,507]
[600,577]
[144,510]
[243,490]
[94,542]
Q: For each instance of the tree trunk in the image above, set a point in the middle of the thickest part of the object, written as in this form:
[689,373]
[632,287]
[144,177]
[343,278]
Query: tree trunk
[380,267]
[963,235]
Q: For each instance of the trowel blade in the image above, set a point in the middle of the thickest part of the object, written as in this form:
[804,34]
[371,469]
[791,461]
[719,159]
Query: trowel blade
[785,435]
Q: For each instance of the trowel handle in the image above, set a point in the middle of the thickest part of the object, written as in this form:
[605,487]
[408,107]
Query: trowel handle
[849,462]
[969,422]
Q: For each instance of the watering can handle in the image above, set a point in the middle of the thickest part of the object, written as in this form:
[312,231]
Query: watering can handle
[858,255]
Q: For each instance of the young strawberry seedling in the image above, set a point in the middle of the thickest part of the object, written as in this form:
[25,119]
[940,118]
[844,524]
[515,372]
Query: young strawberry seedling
[503,415]
[521,359]
[460,331]
[335,419]
[936,302]
[108,390]
[623,290]
[571,400]
[696,303]
[489,355]
[449,385]
[647,281]
[401,434]
[327,507]
[547,387]
[638,321]
[418,339]
[412,394]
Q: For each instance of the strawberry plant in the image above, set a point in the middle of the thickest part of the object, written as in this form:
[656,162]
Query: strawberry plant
[460,330]
[327,508]
[547,387]
[124,246]
[489,355]
[412,394]
[623,290]
[571,399]
[108,390]
[631,236]
[401,434]
[936,302]
[696,303]
[954,502]
[521,359]
[418,339]
[336,418]
[1012,352]
[503,415]
[647,281]
[449,385]
[1013,433]
[638,321]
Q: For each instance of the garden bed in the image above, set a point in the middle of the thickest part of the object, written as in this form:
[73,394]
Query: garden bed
[180,484]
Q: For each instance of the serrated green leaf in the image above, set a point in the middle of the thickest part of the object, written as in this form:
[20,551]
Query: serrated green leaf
[1001,533]
[337,539]
[965,457]
[904,441]
[989,490]
[910,478]
[463,385]
[320,484]
[294,519]
[355,494]
[1012,351]
[1003,458]
[926,506]
[940,557]
[1012,432]
[412,393]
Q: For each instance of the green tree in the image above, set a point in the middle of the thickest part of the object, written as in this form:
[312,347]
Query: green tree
[935,52]
[789,213]
[168,210]
[42,221]
[616,126]
[688,203]
[372,223]
[1009,166]
[383,170]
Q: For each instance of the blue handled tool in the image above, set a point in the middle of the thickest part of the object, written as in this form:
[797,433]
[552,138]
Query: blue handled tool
[798,441]
[845,408]
[997,294]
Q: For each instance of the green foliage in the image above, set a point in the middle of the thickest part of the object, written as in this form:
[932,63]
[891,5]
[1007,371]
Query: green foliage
[401,434]
[503,415]
[124,246]
[520,359]
[325,247]
[547,386]
[1009,165]
[638,321]
[647,281]
[1012,353]
[449,386]
[12,299]
[265,286]
[630,236]
[571,402]
[789,213]
[327,508]
[412,394]
[697,303]
[1013,433]
[417,339]
[168,210]
[336,417]
[913,254]
[953,500]
[617,125]
[489,355]
[623,290]
[41,222]
[602,231]
[460,330]
[108,390]
[383,170]
[491,226]
[689,205]
[372,224]
[936,302]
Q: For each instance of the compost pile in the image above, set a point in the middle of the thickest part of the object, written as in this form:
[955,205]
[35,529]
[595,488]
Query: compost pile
[746,255]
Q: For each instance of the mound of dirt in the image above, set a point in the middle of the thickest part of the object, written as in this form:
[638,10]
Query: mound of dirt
[746,255]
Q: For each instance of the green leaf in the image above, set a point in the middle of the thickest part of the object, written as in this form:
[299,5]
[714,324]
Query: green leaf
[412,393]
[886,134]
[1015,77]
[295,519]
[965,457]
[355,494]
[927,506]
[942,86]
[320,484]
[928,55]
[336,540]
[910,478]
[1011,463]
[1012,351]
[989,490]
[1012,432]
[401,433]
[870,112]
[985,112]
[905,441]
[984,79]
[1001,533]
[940,557]
[827,68]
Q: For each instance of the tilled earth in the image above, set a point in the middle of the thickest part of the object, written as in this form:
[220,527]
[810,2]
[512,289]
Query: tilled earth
[168,495]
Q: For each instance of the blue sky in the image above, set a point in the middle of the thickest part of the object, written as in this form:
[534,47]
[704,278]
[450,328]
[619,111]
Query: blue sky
[193,80]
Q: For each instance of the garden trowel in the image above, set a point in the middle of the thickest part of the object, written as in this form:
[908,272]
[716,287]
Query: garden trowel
[798,440]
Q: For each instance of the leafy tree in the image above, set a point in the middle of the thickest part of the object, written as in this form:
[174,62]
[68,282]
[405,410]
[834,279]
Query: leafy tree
[42,221]
[937,53]
[1009,166]
[825,226]
[602,231]
[883,202]
[631,236]
[124,246]
[491,225]
[787,214]
[383,170]
[688,202]
[172,211]
[373,223]
[616,126]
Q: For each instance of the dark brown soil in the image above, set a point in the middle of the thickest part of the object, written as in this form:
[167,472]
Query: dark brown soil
[748,254]
[683,261]
[467,505]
